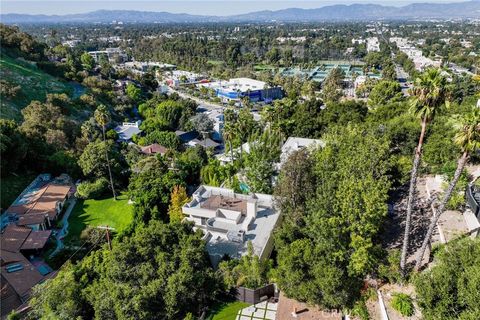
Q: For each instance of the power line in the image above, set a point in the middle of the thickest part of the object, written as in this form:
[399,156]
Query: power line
[59,269]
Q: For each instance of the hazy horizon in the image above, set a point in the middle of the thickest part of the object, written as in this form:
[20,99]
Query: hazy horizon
[198,7]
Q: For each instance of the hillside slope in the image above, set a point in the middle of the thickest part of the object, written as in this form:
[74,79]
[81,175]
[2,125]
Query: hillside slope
[34,84]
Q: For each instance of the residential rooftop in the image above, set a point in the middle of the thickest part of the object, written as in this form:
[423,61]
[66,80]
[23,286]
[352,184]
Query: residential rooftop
[127,130]
[294,144]
[231,220]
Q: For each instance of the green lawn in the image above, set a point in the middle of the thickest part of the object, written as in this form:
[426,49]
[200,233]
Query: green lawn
[215,62]
[104,212]
[35,84]
[12,185]
[227,311]
[263,67]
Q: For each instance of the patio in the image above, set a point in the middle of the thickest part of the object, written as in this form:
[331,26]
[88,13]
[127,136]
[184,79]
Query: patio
[264,310]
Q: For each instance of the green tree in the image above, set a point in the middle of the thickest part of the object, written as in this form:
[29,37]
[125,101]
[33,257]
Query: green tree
[428,95]
[159,271]
[202,124]
[325,258]
[150,187]
[332,86]
[87,61]
[133,92]
[384,92]
[449,289]
[468,139]
[260,162]
[92,160]
[249,271]
[102,117]
[58,298]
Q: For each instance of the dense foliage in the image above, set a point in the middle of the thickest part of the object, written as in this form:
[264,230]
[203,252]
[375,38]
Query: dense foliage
[326,250]
[159,271]
[450,289]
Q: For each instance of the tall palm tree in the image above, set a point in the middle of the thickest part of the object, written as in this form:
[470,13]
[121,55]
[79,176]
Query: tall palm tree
[229,135]
[102,118]
[428,94]
[468,139]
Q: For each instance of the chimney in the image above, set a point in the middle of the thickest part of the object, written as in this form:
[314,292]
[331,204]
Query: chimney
[252,208]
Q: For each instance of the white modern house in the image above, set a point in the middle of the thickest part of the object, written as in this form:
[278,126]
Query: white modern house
[230,220]
[294,144]
[127,130]
[226,157]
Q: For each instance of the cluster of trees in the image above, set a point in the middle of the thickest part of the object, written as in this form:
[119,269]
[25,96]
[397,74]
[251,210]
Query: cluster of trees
[333,199]
[449,290]
[334,203]
[161,270]
[21,44]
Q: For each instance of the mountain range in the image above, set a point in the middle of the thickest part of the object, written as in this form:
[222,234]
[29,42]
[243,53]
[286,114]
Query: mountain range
[354,12]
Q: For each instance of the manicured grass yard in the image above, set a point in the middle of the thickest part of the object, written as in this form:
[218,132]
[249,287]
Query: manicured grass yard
[12,185]
[227,311]
[116,214]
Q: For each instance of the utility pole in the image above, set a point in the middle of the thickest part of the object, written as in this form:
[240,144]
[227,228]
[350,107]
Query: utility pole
[107,228]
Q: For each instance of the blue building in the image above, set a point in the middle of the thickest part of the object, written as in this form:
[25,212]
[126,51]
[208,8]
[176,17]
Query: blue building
[238,88]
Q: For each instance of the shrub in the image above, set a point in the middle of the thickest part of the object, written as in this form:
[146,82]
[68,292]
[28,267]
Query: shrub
[457,201]
[93,235]
[92,190]
[112,135]
[360,310]
[390,270]
[403,303]
[449,289]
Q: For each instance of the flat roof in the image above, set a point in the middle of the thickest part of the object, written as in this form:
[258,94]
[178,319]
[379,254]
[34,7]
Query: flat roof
[215,202]
[259,233]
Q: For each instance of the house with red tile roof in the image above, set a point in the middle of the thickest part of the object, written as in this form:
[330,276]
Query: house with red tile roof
[154,149]
[24,235]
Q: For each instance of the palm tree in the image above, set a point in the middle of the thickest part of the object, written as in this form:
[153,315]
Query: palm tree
[102,118]
[468,139]
[229,135]
[428,94]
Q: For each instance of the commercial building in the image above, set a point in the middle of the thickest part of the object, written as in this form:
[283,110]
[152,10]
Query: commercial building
[416,55]
[238,88]
[230,220]
[141,67]
[176,78]
[111,54]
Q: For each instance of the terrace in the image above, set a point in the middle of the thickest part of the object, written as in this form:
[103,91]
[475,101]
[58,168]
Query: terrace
[230,220]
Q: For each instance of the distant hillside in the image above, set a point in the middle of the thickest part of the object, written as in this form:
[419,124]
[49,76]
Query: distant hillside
[34,84]
[359,12]
[469,9]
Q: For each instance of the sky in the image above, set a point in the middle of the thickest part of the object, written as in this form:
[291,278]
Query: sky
[210,7]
